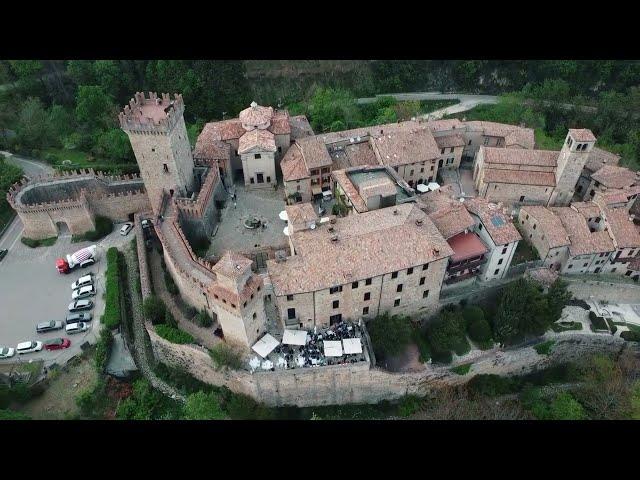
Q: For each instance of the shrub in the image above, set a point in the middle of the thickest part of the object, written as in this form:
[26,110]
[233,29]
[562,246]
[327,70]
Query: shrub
[390,334]
[172,288]
[544,348]
[46,242]
[243,407]
[462,369]
[446,332]
[112,312]
[422,344]
[479,331]
[154,309]
[630,336]
[612,326]
[409,405]
[438,356]
[471,314]
[169,319]
[461,346]
[172,334]
[104,226]
[203,319]
[224,356]
[103,348]
[492,385]
[597,323]
[203,406]
[13,415]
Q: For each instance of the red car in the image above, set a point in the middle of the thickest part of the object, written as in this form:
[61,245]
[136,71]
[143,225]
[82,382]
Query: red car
[57,343]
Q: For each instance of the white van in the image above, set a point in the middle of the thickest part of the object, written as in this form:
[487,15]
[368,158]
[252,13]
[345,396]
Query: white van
[76,327]
[82,282]
[126,228]
[28,347]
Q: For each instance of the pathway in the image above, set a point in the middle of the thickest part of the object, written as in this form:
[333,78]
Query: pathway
[141,353]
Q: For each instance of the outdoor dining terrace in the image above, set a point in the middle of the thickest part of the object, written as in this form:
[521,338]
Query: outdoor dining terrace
[341,344]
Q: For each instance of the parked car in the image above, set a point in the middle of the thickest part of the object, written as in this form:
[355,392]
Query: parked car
[49,326]
[146,223]
[78,317]
[3,253]
[126,228]
[83,292]
[7,352]
[57,344]
[82,281]
[29,347]
[76,327]
[80,305]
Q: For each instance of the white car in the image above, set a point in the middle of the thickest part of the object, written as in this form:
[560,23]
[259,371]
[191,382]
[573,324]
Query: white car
[126,228]
[83,292]
[7,352]
[82,281]
[72,328]
[28,347]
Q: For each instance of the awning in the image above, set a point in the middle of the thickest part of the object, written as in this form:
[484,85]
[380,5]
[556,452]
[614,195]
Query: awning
[352,345]
[422,188]
[433,186]
[294,337]
[285,230]
[283,215]
[332,348]
[316,190]
[265,345]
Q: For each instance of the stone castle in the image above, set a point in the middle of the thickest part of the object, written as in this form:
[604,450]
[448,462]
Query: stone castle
[338,268]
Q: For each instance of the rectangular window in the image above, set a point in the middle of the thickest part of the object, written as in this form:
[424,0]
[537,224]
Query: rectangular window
[396,302]
[335,289]
[497,271]
[500,261]
[409,271]
[442,151]
[422,279]
[367,281]
[411,173]
[254,315]
[486,141]
[333,319]
[257,155]
[399,288]
[479,226]
[394,275]
[425,294]
[451,151]
[166,169]
[367,296]
[504,250]
[279,149]
[252,181]
[425,267]
[354,285]
[289,298]
[522,198]
[336,303]
[268,179]
[365,311]
[291,313]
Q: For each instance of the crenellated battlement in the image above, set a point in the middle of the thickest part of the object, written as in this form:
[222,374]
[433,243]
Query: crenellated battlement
[152,115]
[196,208]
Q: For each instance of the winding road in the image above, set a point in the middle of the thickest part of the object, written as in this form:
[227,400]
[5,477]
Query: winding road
[31,168]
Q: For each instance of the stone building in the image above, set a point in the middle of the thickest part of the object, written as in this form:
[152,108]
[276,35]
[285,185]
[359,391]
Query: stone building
[352,268]
[597,159]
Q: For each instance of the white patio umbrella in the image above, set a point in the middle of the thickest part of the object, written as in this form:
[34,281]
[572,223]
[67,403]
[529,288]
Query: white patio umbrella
[283,215]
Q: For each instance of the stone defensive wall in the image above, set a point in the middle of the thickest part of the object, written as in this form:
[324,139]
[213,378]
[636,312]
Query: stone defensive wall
[199,216]
[327,385]
[75,198]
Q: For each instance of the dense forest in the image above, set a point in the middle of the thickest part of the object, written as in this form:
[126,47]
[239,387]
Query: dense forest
[66,111]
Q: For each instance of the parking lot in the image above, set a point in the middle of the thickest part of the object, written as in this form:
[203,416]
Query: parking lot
[32,291]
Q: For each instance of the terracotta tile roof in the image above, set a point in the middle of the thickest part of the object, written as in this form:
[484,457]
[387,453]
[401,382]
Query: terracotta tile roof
[495,221]
[624,233]
[377,186]
[448,141]
[587,209]
[513,134]
[616,195]
[368,245]
[466,245]
[314,152]
[301,215]
[615,177]
[583,241]
[511,156]
[582,135]
[373,131]
[261,139]
[300,127]
[599,157]
[350,190]
[403,147]
[232,265]
[519,177]
[447,124]
[361,154]
[549,223]
[228,129]
[280,123]
[292,165]
[447,213]
[210,146]
[255,115]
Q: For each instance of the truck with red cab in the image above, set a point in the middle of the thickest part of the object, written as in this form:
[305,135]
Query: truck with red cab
[82,258]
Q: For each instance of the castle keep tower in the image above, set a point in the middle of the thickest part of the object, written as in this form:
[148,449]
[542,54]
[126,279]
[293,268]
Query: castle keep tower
[574,154]
[158,135]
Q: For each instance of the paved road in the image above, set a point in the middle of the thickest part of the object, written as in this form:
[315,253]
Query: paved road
[31,168]
[467,102]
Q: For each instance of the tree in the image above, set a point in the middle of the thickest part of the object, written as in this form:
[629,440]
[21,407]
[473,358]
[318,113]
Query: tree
[447,333]
[33,129]
[390,334]
[154,309]
[13,415]
[328,106]
[61,123]
[557,297]
[203,406]
[94,108]
[114,145]
[565,407]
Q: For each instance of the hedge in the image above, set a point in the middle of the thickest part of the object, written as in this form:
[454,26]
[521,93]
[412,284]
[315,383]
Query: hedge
[630,336]
[112,313]
[544,348]
[46,242]
[103,347]
[462,369]
[173,334]
[154,310]
[597,323]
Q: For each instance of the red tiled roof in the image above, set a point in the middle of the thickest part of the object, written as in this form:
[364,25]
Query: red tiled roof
[519,177]
[615,177]
[549,223]
[512,134]
[280,123]
[300,127]
[403,147]
[599,157]
[498,225]
[292,165]
[466,245]
[583,241]
[255,115]
[582,135]
[624,233]
[448,141]
[510,156]
[209,145]
[261,139]
[314,152]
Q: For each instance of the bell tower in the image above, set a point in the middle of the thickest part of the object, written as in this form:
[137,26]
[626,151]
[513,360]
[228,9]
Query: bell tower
[573,156]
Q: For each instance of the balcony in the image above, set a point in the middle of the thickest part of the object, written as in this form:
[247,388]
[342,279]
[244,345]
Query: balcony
[459,278]
[471,263]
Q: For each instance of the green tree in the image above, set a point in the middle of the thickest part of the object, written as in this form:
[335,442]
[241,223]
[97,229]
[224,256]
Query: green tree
[565,407]
[61,122]
[95,108]
[34,128]
[154,309]
[203,406]
[13,415]
[328,106]
[114,145]
[390,334]
[447,333]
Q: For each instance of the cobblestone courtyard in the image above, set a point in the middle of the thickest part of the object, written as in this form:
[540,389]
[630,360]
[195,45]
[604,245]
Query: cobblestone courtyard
[265,205]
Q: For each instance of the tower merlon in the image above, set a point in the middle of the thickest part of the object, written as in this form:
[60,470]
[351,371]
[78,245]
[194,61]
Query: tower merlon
[153,114]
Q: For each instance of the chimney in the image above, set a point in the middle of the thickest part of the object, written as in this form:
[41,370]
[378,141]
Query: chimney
[334,238]
[419,222]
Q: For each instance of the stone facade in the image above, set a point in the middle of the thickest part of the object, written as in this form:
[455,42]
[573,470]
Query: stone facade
[571,161]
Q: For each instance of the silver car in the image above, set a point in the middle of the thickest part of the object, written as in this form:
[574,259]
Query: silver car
[48,326]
